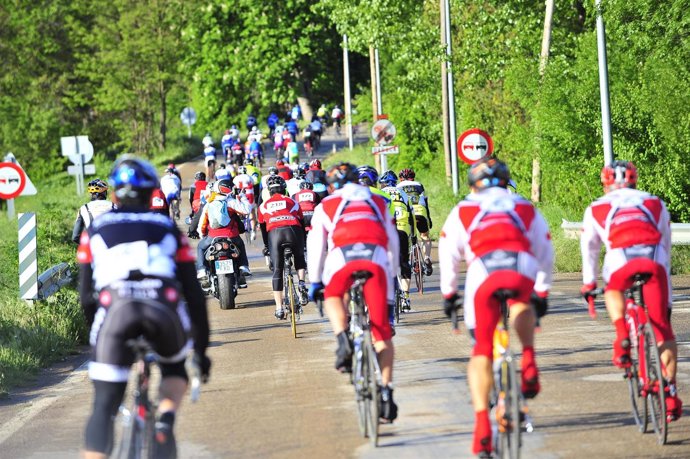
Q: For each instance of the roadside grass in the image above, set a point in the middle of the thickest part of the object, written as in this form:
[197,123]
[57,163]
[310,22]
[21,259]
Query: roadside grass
[567,250]
[33,336]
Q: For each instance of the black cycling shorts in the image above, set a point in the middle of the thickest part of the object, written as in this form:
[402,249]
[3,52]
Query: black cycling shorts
[405,268]
[128,309]
[422,224]
[278,238]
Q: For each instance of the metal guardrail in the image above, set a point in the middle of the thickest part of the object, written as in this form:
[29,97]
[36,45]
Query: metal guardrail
[680,232]
[53,279]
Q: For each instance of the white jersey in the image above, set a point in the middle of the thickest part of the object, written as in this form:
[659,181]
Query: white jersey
[94,209]
[207,141]
[293,185]
[170,184]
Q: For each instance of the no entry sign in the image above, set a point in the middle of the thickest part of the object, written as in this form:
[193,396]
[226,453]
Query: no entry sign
[473,145]
[12,180]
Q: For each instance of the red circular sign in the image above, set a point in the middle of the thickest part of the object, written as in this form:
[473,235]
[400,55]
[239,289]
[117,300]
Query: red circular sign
[473,145]
[12,180]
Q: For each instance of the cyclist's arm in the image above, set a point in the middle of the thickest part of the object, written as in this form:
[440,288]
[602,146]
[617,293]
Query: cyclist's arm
[240,205]
[542,248]
[196,303]
[87,294]
[78,228]
[317,244]
[450,246]
[665,229]
[590,245]
[192,190]
[428,213]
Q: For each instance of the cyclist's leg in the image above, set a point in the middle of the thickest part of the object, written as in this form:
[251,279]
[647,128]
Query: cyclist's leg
[99,428]
[275,240]
[620,278]
[423,229]
[405,268]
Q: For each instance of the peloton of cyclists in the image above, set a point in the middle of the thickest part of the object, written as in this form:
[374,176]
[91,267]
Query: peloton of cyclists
[420,205]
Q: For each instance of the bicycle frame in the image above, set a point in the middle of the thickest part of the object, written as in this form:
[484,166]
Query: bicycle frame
[290,291]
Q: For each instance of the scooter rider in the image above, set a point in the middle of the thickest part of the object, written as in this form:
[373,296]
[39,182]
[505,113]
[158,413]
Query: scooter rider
[235,205]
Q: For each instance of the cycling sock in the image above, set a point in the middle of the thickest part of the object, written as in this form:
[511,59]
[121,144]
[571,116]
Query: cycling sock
[482,432]
[621,329]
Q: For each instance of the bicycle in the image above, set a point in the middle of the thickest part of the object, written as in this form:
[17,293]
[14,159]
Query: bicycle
[507,402]
[366,374]
[290,292]
[138,421]
[646,384]
[417,269]
[175,209]
[248,228]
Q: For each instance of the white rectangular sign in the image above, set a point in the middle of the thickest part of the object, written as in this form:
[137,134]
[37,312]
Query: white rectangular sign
[392,150]
[89,169]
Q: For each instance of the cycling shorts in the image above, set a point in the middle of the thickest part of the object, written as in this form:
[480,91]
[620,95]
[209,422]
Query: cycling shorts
[172,195]
[422,224]
[278,238]
[341,262]
[656,291]
[486,274]
[405,268]
[128,309]
[209,159]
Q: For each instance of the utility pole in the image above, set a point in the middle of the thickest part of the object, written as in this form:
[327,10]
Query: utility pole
[444,97]
[451,101]
[545,46]
[379,109]
[604,88]
[374,94]
[348,101]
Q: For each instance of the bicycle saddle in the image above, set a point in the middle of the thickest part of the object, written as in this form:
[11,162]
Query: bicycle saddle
[642,278]
[503,294]
[287,250]
[361,275]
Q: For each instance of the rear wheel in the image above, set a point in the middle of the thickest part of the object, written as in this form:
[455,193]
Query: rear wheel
[398,304]
[509,419]
[226,292]
[373,391]
[360,379]
[416,263]
[632,376]
[656,384]
[292,306]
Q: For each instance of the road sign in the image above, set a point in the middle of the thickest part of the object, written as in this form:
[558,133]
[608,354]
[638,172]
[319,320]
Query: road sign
[12,180]
[76,146]
[188,116]
[473,145]
[390,150]
[89,169]
[29,189]
[383,132]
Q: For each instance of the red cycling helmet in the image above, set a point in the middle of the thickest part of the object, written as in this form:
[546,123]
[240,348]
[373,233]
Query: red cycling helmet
[406,174]
[315,164]
[280,162]
[619,174]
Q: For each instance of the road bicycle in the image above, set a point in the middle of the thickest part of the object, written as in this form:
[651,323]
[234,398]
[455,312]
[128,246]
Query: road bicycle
[417,267]
[175,209]
[138,416]
[508,405]
[646,383]
[290,303]
[401,301]
[366,374]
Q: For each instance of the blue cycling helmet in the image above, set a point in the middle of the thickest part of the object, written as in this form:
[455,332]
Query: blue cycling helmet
[388,178]
[133,180]
[367,175]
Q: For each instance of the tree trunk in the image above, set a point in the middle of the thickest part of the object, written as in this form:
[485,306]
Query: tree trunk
[163,127]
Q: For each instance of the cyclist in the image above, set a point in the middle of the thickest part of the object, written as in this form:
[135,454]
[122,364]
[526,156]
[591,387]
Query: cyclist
[420,205]
[407,229]
[223,173]
[171,187]
[245,184]
[307,200]
[226,143]
[195,190]
[316,131]
[235,132]
[98,205]
[207,141]
[351,232]
[237,153]
[222,190]
[255,173]
[336,116]
[272,122]
[256,151]
[368,176]
[635,228]
[174,170]
[317,176]
[282,225]
[507,245]
[265,194]
[255,134]
[322,113]
[284,170]
[210,160]
[308,140]
[251,122]
[293,185]
[124,256]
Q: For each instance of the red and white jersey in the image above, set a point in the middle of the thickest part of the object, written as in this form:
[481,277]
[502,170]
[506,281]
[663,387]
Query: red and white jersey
[489,221]
[280,211]
[245,182]
[620,219]
[306,199]
[349,216]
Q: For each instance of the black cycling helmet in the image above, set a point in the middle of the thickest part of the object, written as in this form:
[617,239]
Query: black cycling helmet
[133,180]
[488,172]
[340,174]
[276,184]
[200,176]
[248,162]
[223,186]
[306,185]
[299,173]
[272,170]
[98,189]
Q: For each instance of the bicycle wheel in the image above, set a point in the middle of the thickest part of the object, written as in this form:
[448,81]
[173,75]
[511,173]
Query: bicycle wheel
[360,378]
[373,392]
[291,302]
[416,264]
[656,385]
[632,376]
[398,304]
[509,441]
[130,434]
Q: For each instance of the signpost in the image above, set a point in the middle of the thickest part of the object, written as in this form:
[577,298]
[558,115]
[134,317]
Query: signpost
[473,145]
[79,150]
[188,117]
[383,132]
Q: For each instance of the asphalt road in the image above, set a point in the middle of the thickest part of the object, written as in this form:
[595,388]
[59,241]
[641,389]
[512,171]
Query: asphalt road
[274,396]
